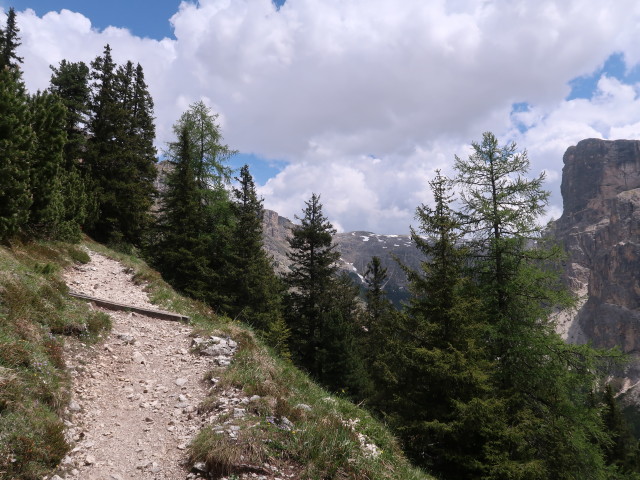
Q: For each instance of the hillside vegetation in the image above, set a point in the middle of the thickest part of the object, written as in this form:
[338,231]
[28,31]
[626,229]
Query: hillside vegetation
[38,318]
[470,375]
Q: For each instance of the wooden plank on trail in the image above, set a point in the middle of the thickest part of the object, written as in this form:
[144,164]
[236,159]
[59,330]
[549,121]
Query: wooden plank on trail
[108,304]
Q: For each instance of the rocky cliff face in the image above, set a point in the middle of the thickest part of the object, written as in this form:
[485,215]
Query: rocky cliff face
[600,229]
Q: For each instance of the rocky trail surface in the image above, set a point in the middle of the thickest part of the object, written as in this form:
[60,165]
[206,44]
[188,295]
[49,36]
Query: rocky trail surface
[135,395]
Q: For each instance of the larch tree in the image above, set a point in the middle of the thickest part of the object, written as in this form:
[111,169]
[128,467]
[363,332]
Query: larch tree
[191,244]
[550,427]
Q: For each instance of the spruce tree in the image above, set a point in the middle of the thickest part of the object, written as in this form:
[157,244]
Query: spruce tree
[437,367]
[192,241]
[252,282]
[70,82]
[180,250]
[313,256]
[622,452]
[339,363]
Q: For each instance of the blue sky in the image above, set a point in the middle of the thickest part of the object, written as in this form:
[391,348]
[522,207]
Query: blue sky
[362,100]
[146,18]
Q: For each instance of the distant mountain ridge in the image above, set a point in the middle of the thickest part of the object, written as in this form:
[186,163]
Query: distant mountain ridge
[356,250]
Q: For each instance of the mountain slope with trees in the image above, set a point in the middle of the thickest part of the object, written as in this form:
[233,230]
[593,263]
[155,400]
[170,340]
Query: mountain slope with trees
[470,375]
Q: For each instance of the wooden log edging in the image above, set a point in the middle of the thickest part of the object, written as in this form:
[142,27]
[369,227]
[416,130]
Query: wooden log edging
[108,304]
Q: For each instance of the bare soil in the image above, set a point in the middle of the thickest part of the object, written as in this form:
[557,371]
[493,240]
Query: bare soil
[135,395]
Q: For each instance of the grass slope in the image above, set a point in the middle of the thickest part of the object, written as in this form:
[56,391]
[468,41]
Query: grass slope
[328,434]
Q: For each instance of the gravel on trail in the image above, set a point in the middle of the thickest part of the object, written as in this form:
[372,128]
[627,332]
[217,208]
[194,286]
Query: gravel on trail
[135,396]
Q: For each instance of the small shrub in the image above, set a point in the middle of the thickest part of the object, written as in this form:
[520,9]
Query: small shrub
[97,323]
[78,255]
[46,268]
[224,456]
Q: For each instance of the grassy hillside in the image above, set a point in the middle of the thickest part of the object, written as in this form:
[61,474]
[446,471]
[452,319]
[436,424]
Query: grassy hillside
[329,437]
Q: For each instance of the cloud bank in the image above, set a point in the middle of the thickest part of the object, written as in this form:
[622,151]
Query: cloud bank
[365,99]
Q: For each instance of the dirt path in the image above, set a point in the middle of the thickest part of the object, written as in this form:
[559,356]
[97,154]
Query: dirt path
[135,395]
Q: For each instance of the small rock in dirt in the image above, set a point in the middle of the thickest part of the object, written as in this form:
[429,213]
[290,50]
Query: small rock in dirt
[200,467]
[137,357]
[182,446]
[90,460]
[180,381]
[74,407]
[255,398]
[126,338]
[115,476]
[286,423]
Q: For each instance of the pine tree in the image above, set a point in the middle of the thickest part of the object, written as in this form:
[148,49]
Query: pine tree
[120,157]
[47,122]
[70,82]
[313,258]
[9,43]
[16,138]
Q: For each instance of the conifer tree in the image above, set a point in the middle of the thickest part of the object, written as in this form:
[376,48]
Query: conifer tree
[120,157]
[437,366]
[253,284]
[16,138]
[70,82]
[47,121]
[313,258]
[623,452]
[181,247]
[339,363]
[380,321]
[9,43]
[551,428]
[192,240]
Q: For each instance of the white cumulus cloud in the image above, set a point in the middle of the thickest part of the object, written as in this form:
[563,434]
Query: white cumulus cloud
[364,99]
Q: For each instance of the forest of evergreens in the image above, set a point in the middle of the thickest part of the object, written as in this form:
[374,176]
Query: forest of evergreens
[470,374]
